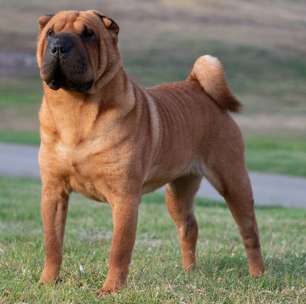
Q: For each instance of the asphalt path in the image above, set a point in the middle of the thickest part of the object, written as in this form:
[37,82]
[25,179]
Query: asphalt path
[269,189]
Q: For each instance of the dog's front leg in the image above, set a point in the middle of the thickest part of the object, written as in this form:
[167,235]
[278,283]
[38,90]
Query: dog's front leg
[125,213]
[54,206]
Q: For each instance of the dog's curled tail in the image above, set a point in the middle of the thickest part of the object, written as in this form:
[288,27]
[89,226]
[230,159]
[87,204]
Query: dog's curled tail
[209,72]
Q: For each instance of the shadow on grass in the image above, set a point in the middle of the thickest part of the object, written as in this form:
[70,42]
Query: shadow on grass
[158,198]
[279,271]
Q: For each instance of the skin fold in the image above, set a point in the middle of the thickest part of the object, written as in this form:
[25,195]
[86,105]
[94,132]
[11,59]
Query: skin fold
[110,139]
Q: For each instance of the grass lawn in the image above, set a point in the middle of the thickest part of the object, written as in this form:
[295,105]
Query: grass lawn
[275,154]
[19,137]
[155,274]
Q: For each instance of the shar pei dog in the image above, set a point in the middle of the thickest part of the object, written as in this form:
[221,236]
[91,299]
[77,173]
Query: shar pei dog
[112,140]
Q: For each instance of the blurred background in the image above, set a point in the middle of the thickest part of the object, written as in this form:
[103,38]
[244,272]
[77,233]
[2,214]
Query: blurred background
[261,43]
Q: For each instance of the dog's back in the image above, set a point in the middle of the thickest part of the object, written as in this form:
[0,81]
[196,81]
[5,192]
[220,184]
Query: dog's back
[194,116]
[196,108]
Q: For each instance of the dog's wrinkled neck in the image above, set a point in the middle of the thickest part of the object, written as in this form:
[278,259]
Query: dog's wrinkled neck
[105,77]
[118,92]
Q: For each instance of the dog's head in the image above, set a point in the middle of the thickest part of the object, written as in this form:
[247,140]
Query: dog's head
[77,50]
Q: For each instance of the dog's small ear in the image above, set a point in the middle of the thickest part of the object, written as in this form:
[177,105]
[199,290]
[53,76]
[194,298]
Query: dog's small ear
[43,20]
[110,24]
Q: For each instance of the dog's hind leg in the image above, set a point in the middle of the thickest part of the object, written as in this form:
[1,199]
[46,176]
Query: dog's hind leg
[234,185]
[239,198]
[179,200]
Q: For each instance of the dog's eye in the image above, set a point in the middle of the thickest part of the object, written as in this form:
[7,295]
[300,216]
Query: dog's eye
[50,32]
[88,33]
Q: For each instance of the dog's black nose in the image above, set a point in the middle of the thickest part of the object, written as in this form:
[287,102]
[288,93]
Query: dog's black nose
[60,45]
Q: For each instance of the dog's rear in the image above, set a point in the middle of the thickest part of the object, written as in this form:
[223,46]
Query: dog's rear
[209,72]
[201,137]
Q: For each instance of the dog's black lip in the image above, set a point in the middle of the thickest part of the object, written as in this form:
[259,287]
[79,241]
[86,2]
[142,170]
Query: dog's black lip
[57,83]
[57,80]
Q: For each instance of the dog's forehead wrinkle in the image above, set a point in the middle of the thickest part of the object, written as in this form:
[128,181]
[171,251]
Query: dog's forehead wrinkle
[68,21]
[78,26]
[75,21]
[59,24]
[73,16]
[68,14]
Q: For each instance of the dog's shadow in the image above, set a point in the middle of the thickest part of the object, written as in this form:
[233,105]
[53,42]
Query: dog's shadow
[288,266]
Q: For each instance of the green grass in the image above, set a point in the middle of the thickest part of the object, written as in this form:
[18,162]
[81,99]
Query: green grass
[281,155]
[20,91]
[20,137]
[155,275]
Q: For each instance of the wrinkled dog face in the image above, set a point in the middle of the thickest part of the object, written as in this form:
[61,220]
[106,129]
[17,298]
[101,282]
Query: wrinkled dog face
[75,49]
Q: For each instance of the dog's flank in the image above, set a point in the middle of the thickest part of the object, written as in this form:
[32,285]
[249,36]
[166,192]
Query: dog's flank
[209,72]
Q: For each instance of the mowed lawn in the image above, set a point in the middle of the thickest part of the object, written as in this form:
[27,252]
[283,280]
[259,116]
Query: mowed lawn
[155,276]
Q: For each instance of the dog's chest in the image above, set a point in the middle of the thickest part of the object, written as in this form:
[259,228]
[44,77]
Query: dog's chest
[84,170]
[93,168]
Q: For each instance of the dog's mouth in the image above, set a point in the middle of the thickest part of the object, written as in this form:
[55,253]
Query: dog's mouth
[58,80]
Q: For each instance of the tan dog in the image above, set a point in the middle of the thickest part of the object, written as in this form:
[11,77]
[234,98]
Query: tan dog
[106,137]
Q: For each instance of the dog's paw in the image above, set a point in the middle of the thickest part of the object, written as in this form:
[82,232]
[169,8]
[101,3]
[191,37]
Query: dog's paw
[257,269]
[110,287]
[47,278]
[256,272]
[189,267]
[105,291]
[45,281]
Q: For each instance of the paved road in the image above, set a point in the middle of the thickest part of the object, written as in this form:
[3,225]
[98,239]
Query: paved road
[21,161]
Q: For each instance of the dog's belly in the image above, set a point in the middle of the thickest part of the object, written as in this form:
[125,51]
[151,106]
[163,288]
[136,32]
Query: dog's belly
[152,186]
[160,178]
